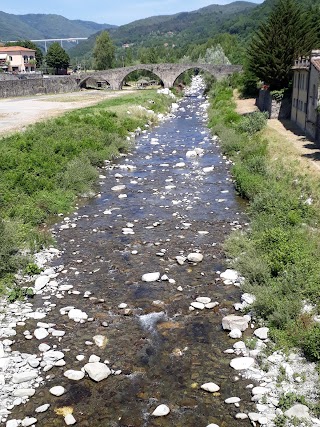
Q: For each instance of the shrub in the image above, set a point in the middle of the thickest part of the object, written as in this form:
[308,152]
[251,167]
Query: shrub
[253,122]
[311,343]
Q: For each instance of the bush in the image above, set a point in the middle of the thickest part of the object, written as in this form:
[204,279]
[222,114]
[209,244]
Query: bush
[311,343]
[253,122]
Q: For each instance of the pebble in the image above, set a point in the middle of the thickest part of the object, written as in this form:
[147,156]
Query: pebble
[74,375]
[97,371]
[203,300]
[57,390]
[235,322]
[195,257]
[40,333]
[69,420]
[27,422]
[262,333]
[151,277]
[42,408]
[232,400]
[210,387]
[241,363]
[161,411]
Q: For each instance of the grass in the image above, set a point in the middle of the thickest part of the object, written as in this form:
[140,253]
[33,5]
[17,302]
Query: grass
[46,168]
[279,254]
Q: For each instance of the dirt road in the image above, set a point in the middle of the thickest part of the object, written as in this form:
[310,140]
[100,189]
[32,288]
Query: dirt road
[295,145]
[17,113]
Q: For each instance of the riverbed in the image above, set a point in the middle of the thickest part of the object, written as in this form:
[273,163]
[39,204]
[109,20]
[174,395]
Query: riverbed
[172,196]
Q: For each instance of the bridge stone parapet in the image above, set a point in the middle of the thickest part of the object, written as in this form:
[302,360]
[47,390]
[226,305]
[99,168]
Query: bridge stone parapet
[167,73]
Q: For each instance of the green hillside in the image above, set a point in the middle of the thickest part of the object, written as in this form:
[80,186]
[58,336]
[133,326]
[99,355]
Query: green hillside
[39,26]
[189,33]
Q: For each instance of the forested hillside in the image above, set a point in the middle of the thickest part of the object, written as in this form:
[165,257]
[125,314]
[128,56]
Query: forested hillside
[187,35]
[40,26]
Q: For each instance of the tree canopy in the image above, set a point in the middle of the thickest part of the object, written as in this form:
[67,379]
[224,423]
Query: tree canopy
[57,57]
[286,35]
[103,52]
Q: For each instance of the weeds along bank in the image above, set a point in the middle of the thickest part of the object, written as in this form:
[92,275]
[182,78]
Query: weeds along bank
[46,168]
[279,254]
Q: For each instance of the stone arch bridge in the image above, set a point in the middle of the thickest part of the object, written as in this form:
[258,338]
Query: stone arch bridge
[167,73]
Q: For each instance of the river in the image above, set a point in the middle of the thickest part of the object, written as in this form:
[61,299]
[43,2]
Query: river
[155,204]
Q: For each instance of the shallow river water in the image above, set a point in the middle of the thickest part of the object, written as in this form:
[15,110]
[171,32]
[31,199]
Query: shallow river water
[164,350]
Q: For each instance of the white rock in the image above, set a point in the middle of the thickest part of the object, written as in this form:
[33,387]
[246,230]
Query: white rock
[191,153]
[181,259]
[122,305]
[203,300]
[77,315]
[212,304]
[240,363]
[235,322]
[21,377]
[40,333]
[151,277]
[26,422]
[299,411]
[118,188]
[232,400]
[212,425]
[74,375]
[241,416]
[235,333]
[262,333]
[57,390]
[100,340]
[93,358]
[42,408]
[69,420]
[44,347]
[161,411]
[195,257]
[210,387]
[13,423]
[229,275]
[197,305]
[41,282]
[97,371]
[24,392]
[248,298]
[259,390]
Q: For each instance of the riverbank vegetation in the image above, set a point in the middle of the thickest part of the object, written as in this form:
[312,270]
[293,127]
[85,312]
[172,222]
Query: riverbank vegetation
[279,253]
[46,168]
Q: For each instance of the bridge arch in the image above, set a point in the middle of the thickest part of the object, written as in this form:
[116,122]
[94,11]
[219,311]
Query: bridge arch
[167,73]
[141,67]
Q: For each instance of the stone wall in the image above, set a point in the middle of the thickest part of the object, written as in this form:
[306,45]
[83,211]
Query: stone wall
[275,109]
[42,85]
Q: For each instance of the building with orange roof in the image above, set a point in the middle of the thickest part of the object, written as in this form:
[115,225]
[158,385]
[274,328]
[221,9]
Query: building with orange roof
[17,59]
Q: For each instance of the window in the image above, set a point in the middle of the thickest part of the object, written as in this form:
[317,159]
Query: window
[305,107]
[10,58]
[314,96]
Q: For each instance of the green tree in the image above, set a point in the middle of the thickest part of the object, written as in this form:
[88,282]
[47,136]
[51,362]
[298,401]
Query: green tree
[103,52]
[57,57]
[30,45]
[285,35]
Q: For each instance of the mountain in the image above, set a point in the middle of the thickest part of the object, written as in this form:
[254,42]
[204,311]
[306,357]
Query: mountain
[178,29]
[40,26]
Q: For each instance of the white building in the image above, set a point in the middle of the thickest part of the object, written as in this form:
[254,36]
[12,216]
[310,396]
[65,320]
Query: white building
[305,94]
[17,59]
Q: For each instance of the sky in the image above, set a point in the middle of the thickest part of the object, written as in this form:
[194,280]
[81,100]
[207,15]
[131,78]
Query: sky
[106,11]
